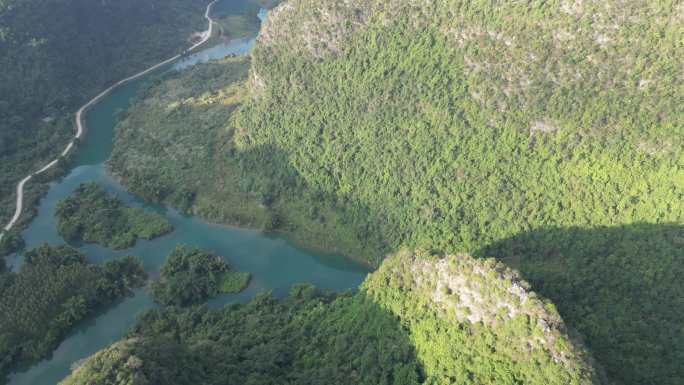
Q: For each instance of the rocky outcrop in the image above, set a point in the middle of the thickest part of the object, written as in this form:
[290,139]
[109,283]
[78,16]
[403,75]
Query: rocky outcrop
[488,300]
[115,365]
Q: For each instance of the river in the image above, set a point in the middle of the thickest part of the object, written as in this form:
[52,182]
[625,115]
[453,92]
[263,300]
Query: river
[275,263]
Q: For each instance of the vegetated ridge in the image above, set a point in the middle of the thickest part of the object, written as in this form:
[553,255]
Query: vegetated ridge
[478,319]
[403,327]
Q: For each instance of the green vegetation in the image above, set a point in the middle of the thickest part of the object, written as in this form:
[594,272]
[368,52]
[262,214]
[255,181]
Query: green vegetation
[307,338]
[161,160]
[58,54]
[459,125]
[234,282]
[10,243]
[392,332]
[477,320]
[199,170]
[92,215]
[54,289]
[404,118]
[620,287]
[191,276]
[546,134]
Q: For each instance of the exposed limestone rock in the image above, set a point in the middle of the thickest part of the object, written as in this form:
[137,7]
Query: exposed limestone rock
[481,294]
[543,127]
[116,364]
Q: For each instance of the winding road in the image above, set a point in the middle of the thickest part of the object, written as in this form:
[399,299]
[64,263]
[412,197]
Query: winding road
[80,125]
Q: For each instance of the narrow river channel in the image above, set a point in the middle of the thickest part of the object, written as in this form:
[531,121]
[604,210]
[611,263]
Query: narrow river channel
[274,263]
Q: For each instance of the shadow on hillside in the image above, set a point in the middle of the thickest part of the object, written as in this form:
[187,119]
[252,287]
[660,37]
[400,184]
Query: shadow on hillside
[316,219]
[309,337]
[621,287]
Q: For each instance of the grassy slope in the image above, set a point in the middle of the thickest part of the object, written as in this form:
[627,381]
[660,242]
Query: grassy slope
[171,145]
[198,170]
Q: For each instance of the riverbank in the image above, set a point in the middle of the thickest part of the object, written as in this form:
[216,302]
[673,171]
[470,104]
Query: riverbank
[276,265]
[80,126]
[200,172]
[71,60]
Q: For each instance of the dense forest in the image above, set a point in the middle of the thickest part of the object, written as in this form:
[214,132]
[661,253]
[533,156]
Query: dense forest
[54,289]
[619,286]
[470,151]
[307,338]
[191,276]
[200,172]
[464,126]
[158,158]
[391,332]
[55,55]
[92,215]
[548,135]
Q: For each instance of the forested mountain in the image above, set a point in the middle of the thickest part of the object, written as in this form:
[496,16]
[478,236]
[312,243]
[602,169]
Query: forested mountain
[549,135]
[53,290]
[57,54]
[476,321]
[420,319]
[459,123]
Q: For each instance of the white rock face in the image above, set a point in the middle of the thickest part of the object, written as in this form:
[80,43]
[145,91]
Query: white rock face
[543,126]
[483,292]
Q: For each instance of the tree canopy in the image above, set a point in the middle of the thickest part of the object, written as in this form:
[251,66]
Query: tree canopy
[190,276]
[54,289]
[55,55]
[545,134]
[395,331]
[92,215]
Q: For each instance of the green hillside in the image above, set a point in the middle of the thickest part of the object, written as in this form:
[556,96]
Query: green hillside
[476,321]
[458,124]
[406,326]
[548,135]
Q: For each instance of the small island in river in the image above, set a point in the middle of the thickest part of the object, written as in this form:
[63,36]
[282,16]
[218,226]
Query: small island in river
[92,215]
[190,276]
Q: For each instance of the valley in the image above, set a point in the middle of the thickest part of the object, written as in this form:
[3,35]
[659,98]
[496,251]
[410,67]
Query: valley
[374,192]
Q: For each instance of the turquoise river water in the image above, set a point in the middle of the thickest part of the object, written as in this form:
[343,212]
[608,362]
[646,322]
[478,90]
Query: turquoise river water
[275,264]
